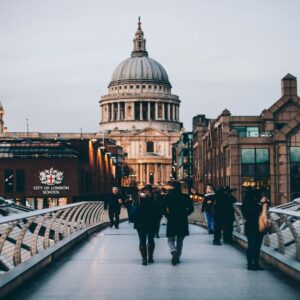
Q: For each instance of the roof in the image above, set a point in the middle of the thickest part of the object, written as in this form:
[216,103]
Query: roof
[289,77]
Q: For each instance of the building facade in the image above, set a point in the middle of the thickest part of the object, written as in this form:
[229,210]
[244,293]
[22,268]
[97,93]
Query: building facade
[183,150]
[260,151]
[43,170]
[142,115]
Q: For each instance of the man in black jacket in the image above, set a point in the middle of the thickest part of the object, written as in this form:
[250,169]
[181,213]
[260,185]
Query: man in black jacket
[223,212]
[114,203]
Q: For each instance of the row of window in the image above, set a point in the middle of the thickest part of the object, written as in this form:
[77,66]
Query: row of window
[143,87]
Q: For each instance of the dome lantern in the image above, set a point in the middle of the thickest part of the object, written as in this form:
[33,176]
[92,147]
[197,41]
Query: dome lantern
[139,43]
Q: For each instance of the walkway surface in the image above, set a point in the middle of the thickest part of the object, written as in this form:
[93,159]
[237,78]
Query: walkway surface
[108,266]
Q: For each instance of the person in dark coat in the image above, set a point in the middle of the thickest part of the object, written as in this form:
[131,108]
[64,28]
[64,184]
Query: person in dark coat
[114,203]
[146,223]
[207,205]
[178,207]
[223,213]
[251,210]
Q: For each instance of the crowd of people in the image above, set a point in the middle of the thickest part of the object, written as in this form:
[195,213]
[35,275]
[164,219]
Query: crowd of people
[147,207]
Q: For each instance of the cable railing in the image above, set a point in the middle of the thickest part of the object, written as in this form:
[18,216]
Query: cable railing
[25,235]
[282,238]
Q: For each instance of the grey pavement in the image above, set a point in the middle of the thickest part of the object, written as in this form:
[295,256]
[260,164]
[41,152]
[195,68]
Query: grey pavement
[108,266]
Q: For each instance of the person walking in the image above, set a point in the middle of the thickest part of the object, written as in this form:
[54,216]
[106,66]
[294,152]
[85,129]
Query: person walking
[252,206]
[146,223]
[178,207]
[207,205]
[223,213]
[114,202]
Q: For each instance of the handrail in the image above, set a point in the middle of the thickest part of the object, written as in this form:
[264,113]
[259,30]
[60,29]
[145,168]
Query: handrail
[25,235]
[16,217]
[283,236]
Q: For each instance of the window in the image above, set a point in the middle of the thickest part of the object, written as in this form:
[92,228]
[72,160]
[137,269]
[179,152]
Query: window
[20,182]
[155,87]
[9,181]
[255,169]
[125,87]
[137,86]
[247,131]
[295,172]
[149,86]
[131,87]
[150,147]
[143,86]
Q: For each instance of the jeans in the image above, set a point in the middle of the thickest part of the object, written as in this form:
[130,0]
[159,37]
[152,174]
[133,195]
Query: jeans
[144,236]
[210,221]
[254,245]
[176,244]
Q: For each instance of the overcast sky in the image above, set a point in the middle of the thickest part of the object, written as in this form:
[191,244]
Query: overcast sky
[57,56]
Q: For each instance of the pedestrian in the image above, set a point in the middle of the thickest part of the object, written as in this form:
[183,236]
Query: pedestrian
[146,223]
[223,213]
[114,202]
[178,207]
[252,207]
[207,206]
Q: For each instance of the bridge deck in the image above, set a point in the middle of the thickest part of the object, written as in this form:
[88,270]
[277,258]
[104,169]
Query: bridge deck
[107,266]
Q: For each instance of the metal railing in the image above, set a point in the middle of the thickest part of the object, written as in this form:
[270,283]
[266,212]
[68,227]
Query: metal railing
[283,236]
[24,235]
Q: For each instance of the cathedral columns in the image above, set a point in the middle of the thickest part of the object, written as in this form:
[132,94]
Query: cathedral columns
[149,111]
[174,112]
[147,173]
[163,111]
[119,111]
[169,111]
[141,111]
[156,110]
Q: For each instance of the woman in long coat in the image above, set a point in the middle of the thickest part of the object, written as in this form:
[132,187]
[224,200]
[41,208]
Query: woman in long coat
[178,207]
[146,223]
[251,208]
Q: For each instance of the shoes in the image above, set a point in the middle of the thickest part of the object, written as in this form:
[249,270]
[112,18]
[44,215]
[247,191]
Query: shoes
[250,267]
[258,268]
[111,225]
[157,236]
[217,243]
[117,226]
[174,260]
[143,250]
[150,249]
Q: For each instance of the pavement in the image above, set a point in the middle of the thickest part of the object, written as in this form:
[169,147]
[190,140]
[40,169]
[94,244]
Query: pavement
[108,266]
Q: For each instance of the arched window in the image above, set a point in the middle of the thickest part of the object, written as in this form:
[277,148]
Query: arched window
[150,146]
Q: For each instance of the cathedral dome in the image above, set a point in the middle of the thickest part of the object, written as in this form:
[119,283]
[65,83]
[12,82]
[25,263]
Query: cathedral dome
[139,67]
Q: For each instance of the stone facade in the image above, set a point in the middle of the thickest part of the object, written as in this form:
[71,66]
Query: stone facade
[261,151]
[142,115]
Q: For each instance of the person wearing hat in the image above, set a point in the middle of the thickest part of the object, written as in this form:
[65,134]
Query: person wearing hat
[178,207]
[114,203]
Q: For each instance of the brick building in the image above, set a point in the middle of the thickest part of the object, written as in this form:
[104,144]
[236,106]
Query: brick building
[261,151]
[44,170]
